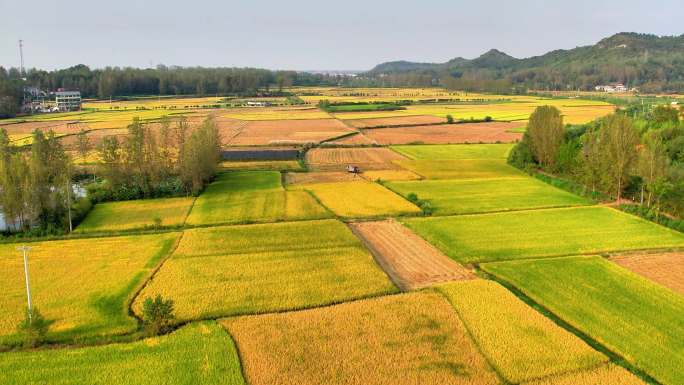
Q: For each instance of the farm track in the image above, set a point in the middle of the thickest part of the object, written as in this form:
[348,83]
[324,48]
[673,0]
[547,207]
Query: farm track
[410,261]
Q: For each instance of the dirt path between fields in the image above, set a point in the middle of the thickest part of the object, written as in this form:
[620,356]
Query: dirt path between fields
[410,261]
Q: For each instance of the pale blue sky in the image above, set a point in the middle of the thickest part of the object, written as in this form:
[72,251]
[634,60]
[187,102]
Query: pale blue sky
[343,35]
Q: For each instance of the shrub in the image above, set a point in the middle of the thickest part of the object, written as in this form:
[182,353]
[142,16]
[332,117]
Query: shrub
[449,119]
[33,328]
[157,315]
[412,197]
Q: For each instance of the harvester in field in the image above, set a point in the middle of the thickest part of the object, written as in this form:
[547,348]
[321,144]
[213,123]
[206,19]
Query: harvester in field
[353,169]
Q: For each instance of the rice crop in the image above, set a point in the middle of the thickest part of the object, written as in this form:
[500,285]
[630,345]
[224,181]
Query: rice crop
[127,215]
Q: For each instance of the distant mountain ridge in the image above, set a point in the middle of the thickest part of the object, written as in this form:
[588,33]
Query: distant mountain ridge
[637,60]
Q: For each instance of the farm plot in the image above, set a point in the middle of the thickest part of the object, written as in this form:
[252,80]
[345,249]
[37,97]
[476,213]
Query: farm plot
[128,215]
[301,178]
[288,131]
[666,269]
[224,271]
[353,140]
[496,132]
[198,353]
[520,343]
[81,285]
[336,159]
[252,196]
[455,151]
[408,259]
[486,195]
[263,165]
[542,233]
[361,199]
[398,121]
[274,113]
[606,374]
[630,315]
[461,169]
[375,175]
[406,339]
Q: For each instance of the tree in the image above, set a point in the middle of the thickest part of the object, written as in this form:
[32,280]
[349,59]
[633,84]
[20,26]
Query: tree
[652,165]
[33,328]
[591,163]
[618,141]
[83,144]
[545,130]
[157,315]
[665,114]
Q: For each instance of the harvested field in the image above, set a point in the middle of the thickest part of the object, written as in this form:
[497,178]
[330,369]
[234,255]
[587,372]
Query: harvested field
[492,132]
[27,128]
[253,269]
[521,343]
[358,139]
[361,199]
[263,165]
[288,131]
[410,261]
[398,121]
[298,178]
[404,339]
[666,269]
[329,159]
[274,113]
[95,137]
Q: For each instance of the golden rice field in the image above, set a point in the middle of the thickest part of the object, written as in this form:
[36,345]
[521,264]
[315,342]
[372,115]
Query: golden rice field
[361,199]
[81,285]
[497,319]
[404,339]
[374,175]
[136,214]
[223,271]
[201,353]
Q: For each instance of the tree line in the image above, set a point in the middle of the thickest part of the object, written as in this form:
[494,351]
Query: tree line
[635,153]
[162,80]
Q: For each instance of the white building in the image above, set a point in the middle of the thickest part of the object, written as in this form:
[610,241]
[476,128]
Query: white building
[612,87]
[68,100]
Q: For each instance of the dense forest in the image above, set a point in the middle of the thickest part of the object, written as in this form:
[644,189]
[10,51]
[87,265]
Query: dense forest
[635,156]
[647,62]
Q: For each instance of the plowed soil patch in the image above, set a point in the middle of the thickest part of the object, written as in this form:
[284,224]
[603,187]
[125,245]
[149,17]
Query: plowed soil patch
[365,158]
[351,140]
[410,261]
[299,178]
[448,133]
[59,127]
[666,269]
[397,121]
[289,131]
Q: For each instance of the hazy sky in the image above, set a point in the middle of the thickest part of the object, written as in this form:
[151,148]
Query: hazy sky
[302,35]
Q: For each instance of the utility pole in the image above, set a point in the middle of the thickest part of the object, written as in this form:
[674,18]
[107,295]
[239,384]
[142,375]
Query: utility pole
[26,249]
[21,57]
